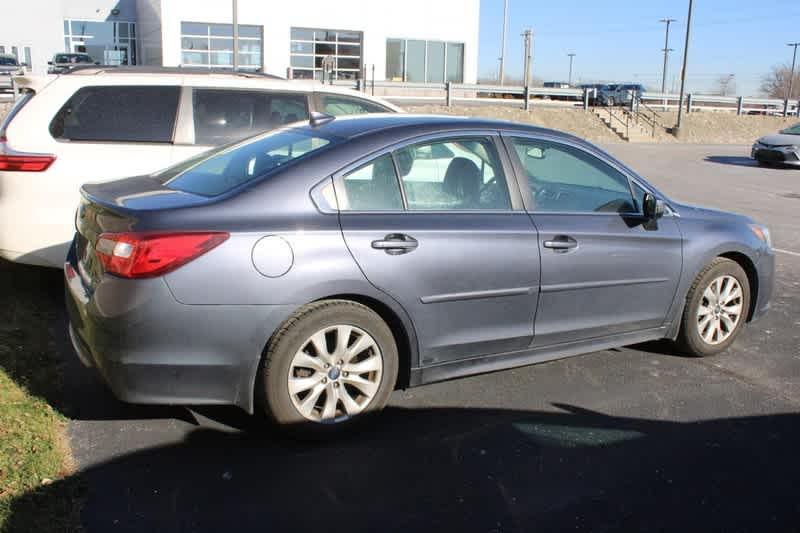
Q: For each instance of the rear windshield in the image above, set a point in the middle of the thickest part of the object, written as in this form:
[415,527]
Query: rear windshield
[222,169]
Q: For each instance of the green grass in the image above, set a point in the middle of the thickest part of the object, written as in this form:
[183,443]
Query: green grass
[36,492]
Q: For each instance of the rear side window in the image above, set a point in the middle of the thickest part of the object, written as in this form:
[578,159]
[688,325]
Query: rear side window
[343,105]
[372,187]
[226,168]
[222,116]
[118,114]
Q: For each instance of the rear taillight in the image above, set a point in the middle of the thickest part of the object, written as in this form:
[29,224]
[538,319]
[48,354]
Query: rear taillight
[14,161]
[145,255]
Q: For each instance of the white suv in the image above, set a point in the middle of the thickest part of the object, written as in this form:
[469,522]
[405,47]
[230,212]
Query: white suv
[96,123]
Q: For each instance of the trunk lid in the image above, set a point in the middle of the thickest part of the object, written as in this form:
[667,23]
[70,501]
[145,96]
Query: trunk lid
[115,207]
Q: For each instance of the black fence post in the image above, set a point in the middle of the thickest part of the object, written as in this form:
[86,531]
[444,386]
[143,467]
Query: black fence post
[526,95]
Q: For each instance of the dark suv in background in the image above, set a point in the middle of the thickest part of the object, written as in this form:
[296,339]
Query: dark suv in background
[619,93]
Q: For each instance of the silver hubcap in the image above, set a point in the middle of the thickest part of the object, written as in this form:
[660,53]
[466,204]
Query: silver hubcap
[720,309]
[335,374]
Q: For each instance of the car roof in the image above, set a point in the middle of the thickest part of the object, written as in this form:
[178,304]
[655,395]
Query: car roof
[215,77]
[352,126]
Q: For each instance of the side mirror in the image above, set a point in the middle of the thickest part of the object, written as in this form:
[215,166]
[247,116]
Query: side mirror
[653,207]
[49,62]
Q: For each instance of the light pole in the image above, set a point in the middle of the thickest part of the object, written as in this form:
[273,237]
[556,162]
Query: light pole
[667,50]
[677,127]
[503,44]
[571,57]
[235,35]
[791,80]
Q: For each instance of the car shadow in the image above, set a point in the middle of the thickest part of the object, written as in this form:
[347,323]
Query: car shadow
[454,469]
[736,160]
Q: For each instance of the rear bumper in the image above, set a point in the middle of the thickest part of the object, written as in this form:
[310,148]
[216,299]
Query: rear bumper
[151,349]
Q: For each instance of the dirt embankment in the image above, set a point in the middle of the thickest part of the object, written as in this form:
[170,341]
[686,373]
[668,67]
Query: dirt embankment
[697,128]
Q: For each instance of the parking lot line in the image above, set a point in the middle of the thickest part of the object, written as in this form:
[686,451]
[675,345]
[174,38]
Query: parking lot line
[796,254]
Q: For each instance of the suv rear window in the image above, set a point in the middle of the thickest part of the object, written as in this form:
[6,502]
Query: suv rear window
[222,116]
[223,169]
[118,114]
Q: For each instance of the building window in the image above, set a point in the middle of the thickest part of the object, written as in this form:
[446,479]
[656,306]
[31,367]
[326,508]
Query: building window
[106,42]
[211,45]
[310,47]
[424,61]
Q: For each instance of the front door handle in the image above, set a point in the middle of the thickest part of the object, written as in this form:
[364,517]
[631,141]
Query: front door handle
[561,243]
[396,244]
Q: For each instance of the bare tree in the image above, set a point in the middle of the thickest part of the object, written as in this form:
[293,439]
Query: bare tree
[725,85]
[776,82]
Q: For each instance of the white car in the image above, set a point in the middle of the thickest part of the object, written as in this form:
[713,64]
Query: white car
[98,124]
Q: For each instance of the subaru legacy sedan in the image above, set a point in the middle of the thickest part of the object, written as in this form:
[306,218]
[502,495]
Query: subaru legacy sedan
[309,271]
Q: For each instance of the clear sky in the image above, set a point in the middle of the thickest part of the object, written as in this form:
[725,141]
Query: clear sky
[621,40]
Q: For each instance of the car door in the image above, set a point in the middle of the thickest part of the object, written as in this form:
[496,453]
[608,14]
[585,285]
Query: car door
[212,116]
[605,268]
[434,224]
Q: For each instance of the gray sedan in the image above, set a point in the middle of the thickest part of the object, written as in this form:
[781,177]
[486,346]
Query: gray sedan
[311,270]
[782,148]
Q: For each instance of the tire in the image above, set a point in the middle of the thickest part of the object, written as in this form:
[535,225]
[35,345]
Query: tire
[695,337]
[764,164]
[284,360]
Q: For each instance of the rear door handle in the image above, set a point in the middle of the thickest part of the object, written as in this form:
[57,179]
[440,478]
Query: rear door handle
[396,244]
[561,243]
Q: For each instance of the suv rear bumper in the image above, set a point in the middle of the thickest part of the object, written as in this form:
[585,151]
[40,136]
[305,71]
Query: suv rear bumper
[134,333]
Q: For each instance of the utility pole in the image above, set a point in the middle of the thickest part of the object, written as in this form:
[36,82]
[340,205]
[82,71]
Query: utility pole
[528,39]
[503,43]
[235,35]
[791,80]
[571,57]
[677,127]
[667,50]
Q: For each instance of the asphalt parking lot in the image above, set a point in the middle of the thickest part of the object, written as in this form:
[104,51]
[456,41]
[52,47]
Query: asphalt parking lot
[629,439]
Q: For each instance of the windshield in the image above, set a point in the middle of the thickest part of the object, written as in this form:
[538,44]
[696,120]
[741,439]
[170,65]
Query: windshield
[793,130]
[222,169]
[72,58]
[8,61]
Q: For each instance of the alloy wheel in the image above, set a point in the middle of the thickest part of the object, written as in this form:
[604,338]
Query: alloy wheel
[335,374]
[720,309]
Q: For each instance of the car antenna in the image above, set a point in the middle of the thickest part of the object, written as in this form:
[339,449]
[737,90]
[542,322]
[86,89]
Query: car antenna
[318,119]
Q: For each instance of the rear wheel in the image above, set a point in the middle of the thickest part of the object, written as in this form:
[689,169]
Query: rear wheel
[716,308]
[328,366]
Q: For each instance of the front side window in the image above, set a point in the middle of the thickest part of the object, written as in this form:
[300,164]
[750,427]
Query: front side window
[567,179]
[372,187]
[453,174]
[222,116]
[224,169]
[118,113]
[342,105]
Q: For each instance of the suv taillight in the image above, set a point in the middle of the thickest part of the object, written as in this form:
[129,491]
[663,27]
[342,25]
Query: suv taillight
[13,161]
[146,255]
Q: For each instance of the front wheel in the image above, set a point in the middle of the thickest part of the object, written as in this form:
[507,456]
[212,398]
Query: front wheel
[716,308]
[330,364]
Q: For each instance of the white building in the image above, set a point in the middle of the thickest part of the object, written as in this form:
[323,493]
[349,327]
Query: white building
[413,40]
